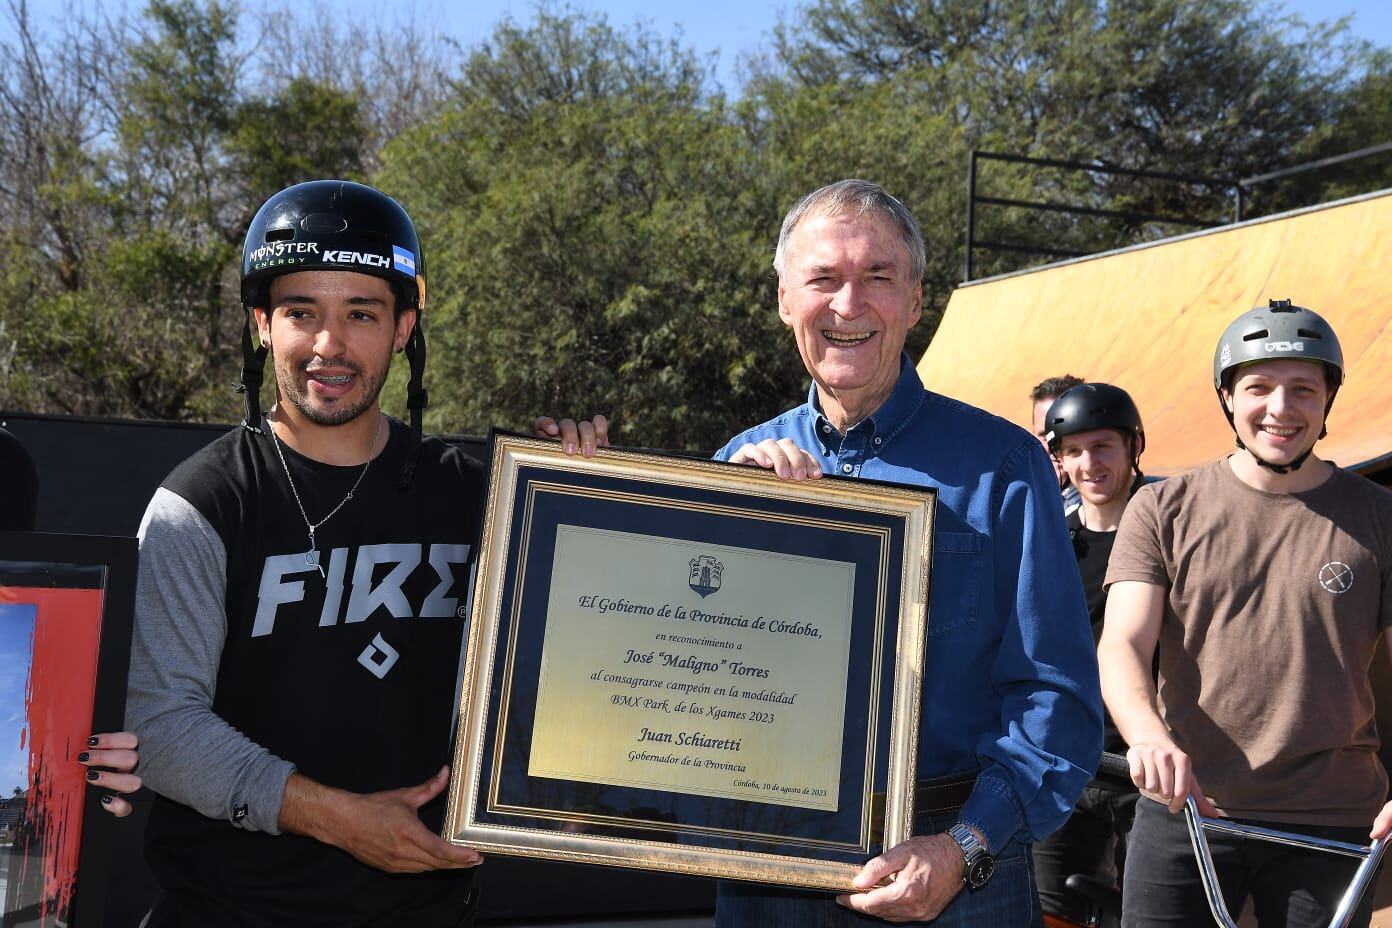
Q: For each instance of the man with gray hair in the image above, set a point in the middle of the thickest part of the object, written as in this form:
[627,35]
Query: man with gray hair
[1011,717]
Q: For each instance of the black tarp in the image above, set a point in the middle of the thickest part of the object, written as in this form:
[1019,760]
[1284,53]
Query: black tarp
[95,477]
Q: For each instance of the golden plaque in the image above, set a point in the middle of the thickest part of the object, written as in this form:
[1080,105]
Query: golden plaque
[689,666]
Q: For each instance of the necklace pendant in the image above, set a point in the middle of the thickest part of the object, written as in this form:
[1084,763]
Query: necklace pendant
[312,556]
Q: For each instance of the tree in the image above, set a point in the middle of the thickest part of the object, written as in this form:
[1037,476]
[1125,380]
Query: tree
[598,223]
[599,237]
[133,162]
[1216,88]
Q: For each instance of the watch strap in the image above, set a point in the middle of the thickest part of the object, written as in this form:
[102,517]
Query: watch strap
[978,864]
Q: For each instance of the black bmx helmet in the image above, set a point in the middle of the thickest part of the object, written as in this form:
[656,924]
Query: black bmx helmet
[1277,331]
[1091,406]
[334,225]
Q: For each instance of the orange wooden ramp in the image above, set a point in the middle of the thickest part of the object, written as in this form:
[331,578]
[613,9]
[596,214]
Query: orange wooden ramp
[1148,318]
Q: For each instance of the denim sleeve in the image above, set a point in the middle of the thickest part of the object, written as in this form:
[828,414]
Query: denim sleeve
[730,448]
[1045,669]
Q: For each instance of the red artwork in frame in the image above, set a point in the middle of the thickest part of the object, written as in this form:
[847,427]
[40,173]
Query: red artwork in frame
[58,629]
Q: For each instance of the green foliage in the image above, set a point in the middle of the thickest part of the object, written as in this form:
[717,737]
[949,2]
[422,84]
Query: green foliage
[305,132]
[1214,88]
[599,240]
[598,223]
[127,217]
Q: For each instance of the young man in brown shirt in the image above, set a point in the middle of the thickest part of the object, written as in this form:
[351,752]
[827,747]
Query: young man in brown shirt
[1265,578]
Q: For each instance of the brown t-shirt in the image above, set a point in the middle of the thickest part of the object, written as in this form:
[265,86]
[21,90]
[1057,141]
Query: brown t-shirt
[1275,604]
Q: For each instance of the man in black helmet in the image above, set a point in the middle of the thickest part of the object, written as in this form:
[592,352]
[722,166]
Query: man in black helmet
[1265,579]
[300,604]
[1093,431]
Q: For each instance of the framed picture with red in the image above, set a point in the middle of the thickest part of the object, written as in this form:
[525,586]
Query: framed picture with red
[66,604]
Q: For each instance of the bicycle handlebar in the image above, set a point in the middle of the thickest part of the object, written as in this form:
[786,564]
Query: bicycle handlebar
[1116,767]
[1371,855]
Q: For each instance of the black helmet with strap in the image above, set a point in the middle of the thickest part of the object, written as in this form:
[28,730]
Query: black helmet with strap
[1091,406]
[334,225]
[1277,331]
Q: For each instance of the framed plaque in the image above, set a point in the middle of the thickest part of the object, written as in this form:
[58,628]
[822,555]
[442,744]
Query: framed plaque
[688,666]
[65,629]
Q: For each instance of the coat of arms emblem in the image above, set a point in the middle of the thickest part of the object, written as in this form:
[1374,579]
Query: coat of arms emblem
[705,575]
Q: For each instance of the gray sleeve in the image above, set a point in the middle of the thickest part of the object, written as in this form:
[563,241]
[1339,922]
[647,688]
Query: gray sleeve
[188,752]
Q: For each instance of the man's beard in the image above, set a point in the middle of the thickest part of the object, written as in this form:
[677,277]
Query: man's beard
[296,392]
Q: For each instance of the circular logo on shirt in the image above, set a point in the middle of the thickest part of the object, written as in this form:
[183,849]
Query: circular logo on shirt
[1336,577]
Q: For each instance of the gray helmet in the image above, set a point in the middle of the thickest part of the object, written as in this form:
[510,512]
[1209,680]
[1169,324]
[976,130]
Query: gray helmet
[1091,406]
[1278,331]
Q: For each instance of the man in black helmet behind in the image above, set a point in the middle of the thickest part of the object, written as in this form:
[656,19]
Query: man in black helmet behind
[300,604]
[1265,578]
[1093,431]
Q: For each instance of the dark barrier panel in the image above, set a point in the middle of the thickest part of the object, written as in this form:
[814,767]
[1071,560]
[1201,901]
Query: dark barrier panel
[95,477]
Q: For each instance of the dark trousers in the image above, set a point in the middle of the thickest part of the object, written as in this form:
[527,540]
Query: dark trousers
[1092,842]
[1289,887]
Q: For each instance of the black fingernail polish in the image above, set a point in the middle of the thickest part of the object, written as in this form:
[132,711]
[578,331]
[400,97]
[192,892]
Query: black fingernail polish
[92,741]
[106,800]
[83,757]
[92,774]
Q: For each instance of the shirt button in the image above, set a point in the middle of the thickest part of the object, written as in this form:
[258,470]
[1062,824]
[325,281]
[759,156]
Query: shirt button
[826,429]
[878,439]
[846,468]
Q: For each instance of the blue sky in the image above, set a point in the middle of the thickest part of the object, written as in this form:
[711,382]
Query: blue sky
[727,28]
[16,651]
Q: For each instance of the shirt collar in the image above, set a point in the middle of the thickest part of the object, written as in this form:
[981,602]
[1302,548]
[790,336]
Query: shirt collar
[893,414]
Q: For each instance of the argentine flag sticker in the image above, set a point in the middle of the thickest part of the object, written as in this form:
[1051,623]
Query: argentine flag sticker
[403,261]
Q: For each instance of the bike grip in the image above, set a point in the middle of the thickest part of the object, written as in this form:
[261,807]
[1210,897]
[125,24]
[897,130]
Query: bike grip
[1114,766]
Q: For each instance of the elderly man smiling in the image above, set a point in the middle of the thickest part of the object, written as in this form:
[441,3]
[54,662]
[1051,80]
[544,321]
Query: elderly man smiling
[1011,724]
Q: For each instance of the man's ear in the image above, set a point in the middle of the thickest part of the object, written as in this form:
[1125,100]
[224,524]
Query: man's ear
[405,322]
[783,312]
[263,325]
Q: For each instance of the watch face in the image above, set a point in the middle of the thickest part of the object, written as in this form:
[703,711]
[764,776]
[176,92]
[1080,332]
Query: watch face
[980,871]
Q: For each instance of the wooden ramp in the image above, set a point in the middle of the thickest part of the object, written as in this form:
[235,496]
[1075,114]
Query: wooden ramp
[1148,318]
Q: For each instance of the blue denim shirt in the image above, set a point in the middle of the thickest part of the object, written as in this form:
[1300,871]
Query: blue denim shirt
[1010,674]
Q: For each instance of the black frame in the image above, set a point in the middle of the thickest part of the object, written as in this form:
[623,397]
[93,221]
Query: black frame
[34,559]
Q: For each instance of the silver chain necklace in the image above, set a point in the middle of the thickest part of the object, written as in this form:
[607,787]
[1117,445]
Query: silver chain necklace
[312,555]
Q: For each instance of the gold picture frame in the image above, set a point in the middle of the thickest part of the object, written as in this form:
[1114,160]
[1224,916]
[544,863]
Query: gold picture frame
[688,666]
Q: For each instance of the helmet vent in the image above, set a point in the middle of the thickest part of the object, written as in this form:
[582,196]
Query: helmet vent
[280,235]
[1253,336]
[323,224]
[1306,333]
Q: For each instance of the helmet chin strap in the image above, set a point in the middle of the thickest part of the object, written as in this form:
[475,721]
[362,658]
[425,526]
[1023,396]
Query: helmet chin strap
[1277,468]
[253,371]
[417,399]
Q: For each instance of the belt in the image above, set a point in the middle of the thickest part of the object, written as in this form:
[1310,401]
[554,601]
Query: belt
[945,794]
[939,796]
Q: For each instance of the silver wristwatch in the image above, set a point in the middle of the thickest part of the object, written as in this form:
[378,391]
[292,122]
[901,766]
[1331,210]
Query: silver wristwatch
[979,862]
